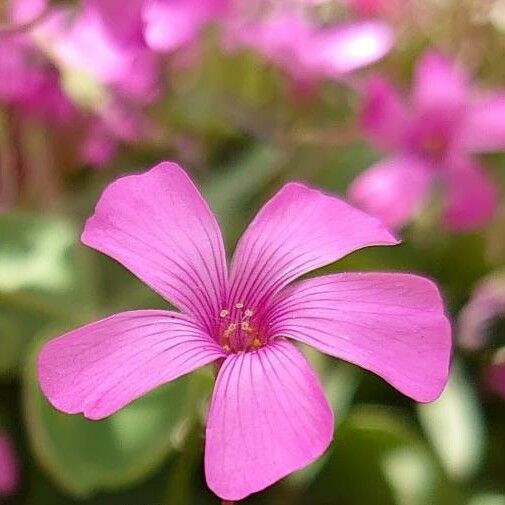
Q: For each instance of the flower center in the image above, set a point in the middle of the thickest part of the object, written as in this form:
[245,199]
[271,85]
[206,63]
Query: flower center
[239,330]
[434,147]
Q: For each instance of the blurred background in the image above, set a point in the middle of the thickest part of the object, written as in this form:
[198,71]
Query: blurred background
[247,95]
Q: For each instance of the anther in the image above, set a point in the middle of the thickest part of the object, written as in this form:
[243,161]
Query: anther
[239,305]
[248,313]
[224,313]
[244,325]
[256,343]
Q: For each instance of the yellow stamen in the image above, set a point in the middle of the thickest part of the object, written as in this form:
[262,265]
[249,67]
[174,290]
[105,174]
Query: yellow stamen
[256,343]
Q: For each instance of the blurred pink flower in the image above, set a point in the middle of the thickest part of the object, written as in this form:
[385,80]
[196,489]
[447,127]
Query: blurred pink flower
[82,43]
[162,25]
[115,123]
[431,142]
[268,415]
[377,7]
[172,24]
[485,307]
[28,80]
[308,52]
[9,467]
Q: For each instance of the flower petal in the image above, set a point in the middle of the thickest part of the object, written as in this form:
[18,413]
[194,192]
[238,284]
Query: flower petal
[391,324]
[101,367]
[384,116]
[393,190]
[486,305]
[484,128]
[439,85]
[9,467]
[268,418]
[172,24]
[298,230]
[471,199]
[158,226]
[338,50]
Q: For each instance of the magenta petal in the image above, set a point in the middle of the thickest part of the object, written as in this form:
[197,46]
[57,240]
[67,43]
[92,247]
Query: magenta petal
[384,117]
[486,305]
[391,324]
[393,190]
[471,197]
[484,127]
[268,418]
[298,230]
[344,48]
[158,226]
[170,24]
[101,367]
[9,467]
[439,85]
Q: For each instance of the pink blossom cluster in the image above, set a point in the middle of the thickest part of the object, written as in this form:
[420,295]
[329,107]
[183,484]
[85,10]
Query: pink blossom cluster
[121,54]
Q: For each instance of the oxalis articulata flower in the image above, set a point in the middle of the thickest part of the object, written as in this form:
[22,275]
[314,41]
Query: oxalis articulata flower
[433,139]
[268,415]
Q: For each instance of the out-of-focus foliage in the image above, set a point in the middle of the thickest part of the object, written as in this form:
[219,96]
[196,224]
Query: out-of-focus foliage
[243,126]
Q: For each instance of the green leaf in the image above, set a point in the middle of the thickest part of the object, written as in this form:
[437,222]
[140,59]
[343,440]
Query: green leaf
[84,456]
[377,457]
[44,278]
[487,499]
[33,253]
[455,426]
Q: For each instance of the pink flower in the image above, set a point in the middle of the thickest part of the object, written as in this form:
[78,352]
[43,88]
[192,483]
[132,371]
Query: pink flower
[28,81]
[268,415]
[162,25]
[9,467]
[306,51]
[431,143]
[377,7]
[81,42]
[172,24]
[485,307]
[486,304]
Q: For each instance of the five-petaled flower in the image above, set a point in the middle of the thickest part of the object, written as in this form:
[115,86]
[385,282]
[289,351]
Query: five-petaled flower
[268,414]
[432,141]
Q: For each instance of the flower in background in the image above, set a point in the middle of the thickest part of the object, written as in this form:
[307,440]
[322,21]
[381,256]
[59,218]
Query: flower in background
[173,24]
[389,8]
[116,122]
[432,139]
[9,467]
[485,307]
[80,44]
[161,25]
[291,39]
[28,80]
[268,415]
